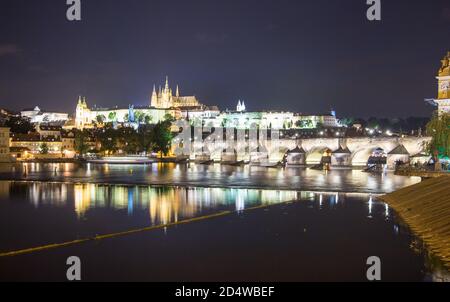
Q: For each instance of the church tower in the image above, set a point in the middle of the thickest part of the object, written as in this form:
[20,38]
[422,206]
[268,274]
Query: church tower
[443,99]
[82,114]
[154,99]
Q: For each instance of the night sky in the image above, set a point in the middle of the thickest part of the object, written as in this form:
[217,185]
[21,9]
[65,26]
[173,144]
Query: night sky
[297,55]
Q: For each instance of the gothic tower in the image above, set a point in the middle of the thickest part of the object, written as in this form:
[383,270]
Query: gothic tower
[154,100]
[443,99]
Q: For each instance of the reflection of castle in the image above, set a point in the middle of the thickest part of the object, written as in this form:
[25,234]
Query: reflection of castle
[165,98]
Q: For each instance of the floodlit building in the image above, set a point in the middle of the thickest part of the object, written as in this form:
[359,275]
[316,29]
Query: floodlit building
[48,131]
[165,104]
[86,117]
[38,116]
[164,98]
[443,77]
[5,155]
[37,146]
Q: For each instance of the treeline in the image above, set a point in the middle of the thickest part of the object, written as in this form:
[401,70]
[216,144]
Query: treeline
[399,125]
[17,124]
[109,140]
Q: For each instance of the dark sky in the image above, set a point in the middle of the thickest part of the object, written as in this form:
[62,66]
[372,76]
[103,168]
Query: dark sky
[297,55]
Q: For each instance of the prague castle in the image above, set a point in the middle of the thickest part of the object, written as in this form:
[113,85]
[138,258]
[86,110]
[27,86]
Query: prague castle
[164,103]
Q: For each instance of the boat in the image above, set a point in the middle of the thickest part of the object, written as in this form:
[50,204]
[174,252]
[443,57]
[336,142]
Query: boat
[205,162]
[182,161]
[233,163]
[269,164]
[124,160]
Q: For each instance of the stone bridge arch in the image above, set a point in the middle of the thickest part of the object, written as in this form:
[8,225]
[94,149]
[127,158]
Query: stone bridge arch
[314,156]
[361,157]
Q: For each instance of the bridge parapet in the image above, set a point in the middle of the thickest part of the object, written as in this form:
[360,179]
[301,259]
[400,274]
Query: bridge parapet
[361,148]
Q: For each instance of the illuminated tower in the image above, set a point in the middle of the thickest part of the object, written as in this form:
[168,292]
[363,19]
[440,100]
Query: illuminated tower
[82,115]
[154,100]
[443,99]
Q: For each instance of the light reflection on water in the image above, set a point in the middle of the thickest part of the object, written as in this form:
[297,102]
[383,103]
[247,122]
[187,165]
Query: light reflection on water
[213,175]
[163,204]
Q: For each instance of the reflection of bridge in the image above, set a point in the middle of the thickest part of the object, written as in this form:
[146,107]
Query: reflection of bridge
[358,153]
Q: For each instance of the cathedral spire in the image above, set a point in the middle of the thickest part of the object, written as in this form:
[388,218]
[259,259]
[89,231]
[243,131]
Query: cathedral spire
[178,92]
[167,84]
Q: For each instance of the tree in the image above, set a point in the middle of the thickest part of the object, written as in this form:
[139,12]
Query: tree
[225,122]
[43,148]
[112,116]
[100,119]
[128,139]
[139,116]
[162,137]
[145,138]
[304,124]
[169,118]
[108,138]
[348,121]
[20,125]
[81,139]
[148,119]
[439,130]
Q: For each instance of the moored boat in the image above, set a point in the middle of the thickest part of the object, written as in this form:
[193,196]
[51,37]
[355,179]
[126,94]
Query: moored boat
[125,160]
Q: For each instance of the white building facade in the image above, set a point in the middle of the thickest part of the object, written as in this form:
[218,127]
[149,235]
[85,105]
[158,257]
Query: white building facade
[37,116]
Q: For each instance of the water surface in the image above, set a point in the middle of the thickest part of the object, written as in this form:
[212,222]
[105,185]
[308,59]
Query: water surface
[211,176]
[303,236]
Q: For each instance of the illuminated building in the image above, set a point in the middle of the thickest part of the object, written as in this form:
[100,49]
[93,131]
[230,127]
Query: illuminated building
[164,98]
[4,145]
[87,117]
[33,143]
[443,77]
[164,103]
[38,116]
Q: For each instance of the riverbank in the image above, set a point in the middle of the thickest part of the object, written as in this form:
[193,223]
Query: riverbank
[425,207]
[423,174]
